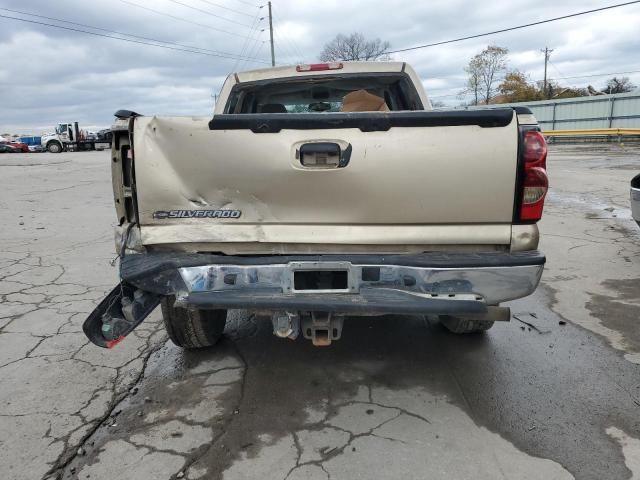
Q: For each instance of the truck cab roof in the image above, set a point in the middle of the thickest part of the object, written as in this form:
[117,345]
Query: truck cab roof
[332,68]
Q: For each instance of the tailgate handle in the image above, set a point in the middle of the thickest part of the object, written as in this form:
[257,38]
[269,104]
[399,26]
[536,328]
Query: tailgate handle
[323,155]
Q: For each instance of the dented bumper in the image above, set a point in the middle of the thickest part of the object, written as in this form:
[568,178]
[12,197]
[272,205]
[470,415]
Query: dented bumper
[429,283]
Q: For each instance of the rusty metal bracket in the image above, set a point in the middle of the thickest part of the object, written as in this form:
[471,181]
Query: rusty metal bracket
[322,328]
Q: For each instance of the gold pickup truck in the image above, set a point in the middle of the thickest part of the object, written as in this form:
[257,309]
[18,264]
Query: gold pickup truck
[320,191]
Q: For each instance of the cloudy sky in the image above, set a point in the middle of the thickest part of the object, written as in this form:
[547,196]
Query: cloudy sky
[50,75]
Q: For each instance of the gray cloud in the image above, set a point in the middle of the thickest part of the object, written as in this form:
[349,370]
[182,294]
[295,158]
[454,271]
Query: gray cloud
[50,75]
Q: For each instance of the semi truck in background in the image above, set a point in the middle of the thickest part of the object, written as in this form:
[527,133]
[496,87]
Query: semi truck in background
[69,137]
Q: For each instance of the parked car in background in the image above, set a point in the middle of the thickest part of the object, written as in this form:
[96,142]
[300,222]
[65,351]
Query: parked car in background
[36,148]
[635,198]
[7,148]
[23,147]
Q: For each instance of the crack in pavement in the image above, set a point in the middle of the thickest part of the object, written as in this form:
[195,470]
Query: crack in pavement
[165,431]
[67,457]
[236,408]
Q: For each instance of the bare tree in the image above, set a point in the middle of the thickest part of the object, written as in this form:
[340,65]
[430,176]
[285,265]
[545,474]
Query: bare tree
[483,71]
[618,85]
[354,47]
[474,72]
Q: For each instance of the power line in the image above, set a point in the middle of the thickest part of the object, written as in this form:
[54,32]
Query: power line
[227,56]
[213,14]
[116,32]
[253,52]
[554,67]
[183,19]
[284,38]
[247,42]
[290,42]
[278,39]
[249,3]
[213,4]
[597,75]
[460,39]
[260,47]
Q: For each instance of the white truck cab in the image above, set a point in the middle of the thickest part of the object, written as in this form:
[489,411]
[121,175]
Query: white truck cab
[69,136]
[64,134]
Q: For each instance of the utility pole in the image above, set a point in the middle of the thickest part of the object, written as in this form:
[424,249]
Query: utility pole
[547,53]
[273,53]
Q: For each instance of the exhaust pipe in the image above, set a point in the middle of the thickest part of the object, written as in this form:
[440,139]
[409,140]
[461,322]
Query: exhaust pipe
[494,314]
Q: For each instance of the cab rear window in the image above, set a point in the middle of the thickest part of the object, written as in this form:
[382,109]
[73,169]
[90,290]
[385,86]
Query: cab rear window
[323,94]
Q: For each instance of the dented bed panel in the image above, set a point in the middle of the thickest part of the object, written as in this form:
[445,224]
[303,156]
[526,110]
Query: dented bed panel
[405,177]
[422,235]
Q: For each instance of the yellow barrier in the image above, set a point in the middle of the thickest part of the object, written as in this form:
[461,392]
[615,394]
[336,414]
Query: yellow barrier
[592,131]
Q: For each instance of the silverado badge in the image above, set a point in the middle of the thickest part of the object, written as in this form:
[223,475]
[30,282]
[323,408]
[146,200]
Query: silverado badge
[161,214]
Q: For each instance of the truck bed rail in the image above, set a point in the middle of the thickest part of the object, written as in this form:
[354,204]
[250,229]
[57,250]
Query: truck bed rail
[365,121]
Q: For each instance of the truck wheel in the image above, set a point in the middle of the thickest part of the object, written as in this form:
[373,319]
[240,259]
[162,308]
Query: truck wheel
[54,147]
[465,325]
[192,329]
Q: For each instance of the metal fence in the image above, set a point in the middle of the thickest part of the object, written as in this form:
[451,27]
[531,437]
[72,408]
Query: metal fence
[620,110]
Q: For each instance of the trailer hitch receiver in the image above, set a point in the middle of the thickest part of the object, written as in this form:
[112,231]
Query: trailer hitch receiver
[322,328]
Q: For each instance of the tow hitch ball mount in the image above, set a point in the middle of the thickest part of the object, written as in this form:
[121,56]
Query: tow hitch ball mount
[319,327]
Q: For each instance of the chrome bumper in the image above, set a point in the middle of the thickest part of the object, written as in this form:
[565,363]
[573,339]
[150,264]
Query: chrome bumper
[489,285]
[424,283]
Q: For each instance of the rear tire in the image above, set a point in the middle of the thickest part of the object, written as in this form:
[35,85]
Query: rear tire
[192,329]
[462,325]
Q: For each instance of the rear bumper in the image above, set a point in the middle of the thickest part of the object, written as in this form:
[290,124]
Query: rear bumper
[423,283]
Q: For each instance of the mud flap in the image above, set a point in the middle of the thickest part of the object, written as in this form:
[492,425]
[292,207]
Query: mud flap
[121,311]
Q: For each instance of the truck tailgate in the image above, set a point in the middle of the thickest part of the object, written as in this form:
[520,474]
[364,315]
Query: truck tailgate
[406,185]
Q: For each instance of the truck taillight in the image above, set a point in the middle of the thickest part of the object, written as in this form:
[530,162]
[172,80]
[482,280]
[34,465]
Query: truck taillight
[316,67]
[535,182]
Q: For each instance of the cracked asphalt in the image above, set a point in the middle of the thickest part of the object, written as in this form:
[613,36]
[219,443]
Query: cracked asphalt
[553,394]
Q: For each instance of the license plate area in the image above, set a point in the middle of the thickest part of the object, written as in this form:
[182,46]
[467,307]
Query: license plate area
[322,277]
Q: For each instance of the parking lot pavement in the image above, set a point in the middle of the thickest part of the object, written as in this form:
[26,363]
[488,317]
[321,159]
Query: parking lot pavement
[553,394]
